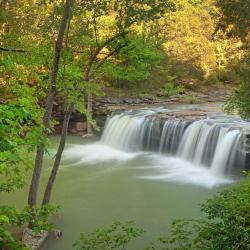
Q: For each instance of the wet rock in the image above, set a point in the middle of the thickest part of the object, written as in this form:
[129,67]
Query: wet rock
[79,126]
[34,241]
[89,136]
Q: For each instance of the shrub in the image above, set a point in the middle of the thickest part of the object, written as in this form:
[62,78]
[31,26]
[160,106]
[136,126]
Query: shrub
[240,101]
[227,224]
[117,236]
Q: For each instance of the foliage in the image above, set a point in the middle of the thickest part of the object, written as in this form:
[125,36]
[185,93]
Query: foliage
[171,88]
[191,98]
[10,216]
[188,37]
[235,20]
[226,225]
[134,62]
[20,132]
[240,101]
[236,17]
[116,236]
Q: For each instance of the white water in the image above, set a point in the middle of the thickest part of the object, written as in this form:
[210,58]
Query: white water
[209,142]
[176,170]
[171,136]
[225,154]
[200,153]
[212,145]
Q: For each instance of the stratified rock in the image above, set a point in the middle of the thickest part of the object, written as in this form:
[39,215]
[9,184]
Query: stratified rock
[34,241]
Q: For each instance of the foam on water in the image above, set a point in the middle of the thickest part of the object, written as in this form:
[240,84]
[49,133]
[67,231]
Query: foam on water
[203,152]
[176,170]
[96,153]
[160,168]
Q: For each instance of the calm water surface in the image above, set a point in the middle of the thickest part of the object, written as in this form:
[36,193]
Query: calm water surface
[97,185]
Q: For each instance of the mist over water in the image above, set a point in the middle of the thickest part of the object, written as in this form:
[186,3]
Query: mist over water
[202,153]
[155,167]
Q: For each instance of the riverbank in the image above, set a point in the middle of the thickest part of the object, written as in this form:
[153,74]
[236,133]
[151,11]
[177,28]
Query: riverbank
[104,106]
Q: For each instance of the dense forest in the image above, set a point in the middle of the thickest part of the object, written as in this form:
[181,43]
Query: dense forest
[64,54]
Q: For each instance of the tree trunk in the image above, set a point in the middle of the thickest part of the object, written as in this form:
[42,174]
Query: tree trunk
[90,109]
[53,174]
[40,151]
[32,199]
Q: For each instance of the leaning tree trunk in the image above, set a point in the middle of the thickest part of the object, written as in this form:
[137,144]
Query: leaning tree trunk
[90,110]
[40,150]
[53,174]
[32,199]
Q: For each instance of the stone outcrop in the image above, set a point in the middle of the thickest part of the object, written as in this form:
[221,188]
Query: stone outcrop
[34,241]
[106,105]
[79,127]
[246,146]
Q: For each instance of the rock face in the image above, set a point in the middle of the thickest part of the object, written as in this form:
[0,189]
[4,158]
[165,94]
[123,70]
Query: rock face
[106,105]
[246,143]
[34,241]
[78,127]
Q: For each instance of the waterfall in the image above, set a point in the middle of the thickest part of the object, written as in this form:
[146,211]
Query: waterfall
[212,142]
[209,144]
[200,141]
[133,131]
[226,153]
[172,134]
[122,132]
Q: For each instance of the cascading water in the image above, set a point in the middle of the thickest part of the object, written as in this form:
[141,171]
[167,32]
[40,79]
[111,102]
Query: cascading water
[171,136]
[212,143]
[131,131]
[225,155]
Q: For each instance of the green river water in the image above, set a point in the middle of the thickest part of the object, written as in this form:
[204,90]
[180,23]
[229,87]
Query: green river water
[97,185]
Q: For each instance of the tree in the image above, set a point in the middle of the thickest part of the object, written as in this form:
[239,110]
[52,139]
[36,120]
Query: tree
[20,132]
[107,25]
[235,21]
[235,18]
[103,34]
[32,199]
[188,38]
[133,65]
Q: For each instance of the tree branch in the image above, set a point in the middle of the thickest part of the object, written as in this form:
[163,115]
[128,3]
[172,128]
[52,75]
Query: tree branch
[13,50]
[108,42]
[95,29]
[100,64]
[98,50]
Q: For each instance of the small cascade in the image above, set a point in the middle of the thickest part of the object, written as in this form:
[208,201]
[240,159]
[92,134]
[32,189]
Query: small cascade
[171,136]
[200,141]
[123,132]
[150,135]
[212,142]
[133,131]
[225,156]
